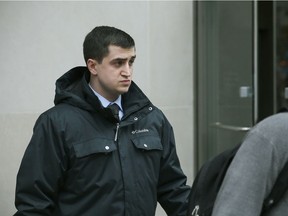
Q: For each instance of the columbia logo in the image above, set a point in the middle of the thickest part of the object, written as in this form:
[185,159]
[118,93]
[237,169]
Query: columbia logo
[140,131]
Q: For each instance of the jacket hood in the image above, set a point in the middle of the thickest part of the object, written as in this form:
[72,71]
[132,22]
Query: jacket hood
[72,88]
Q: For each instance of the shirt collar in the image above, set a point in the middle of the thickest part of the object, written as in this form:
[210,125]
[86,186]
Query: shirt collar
[106,102]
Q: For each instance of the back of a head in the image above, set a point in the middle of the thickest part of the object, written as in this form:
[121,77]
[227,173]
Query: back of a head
[97,41]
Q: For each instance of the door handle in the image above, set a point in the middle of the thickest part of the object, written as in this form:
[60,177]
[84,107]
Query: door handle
[230,127]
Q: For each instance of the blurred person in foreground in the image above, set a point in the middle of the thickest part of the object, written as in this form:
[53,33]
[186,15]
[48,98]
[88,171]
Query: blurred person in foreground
[254,170]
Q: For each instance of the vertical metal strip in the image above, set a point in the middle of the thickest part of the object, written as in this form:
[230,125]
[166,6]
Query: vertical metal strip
[255,59]
[274,44]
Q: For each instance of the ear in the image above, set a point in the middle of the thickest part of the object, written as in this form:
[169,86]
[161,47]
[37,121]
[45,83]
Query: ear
[91,65]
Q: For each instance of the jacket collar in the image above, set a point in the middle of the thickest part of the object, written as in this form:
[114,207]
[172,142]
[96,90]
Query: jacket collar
[73,88]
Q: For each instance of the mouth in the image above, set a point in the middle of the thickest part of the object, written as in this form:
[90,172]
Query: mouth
[125,81]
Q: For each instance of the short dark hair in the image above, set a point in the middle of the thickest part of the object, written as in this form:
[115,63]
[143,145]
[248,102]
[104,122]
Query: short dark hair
[97,41]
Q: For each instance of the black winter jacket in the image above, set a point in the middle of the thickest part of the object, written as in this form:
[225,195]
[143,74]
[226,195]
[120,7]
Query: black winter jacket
[81,162]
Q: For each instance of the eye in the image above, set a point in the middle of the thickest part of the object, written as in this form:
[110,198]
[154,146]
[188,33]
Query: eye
[131,62]
[118,63]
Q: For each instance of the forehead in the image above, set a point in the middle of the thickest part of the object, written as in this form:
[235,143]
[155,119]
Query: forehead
[119,52]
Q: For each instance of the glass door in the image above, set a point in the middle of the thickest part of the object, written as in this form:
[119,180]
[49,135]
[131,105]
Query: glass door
[224,75]
[241,70]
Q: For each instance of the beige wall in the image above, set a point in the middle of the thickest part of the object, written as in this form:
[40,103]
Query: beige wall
[41,40]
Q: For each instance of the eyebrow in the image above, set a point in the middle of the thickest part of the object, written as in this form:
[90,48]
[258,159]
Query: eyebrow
[124,59]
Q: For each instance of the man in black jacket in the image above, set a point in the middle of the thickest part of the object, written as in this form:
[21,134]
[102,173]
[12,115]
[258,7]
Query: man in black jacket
[83,160]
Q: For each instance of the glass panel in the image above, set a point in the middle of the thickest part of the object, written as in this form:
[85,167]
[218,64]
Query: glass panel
[282,53]
[224,74]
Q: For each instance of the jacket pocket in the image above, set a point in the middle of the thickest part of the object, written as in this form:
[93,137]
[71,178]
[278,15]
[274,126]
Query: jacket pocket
[94,146]
[148,143]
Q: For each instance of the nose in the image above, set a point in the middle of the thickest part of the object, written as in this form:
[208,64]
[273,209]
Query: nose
[126,70]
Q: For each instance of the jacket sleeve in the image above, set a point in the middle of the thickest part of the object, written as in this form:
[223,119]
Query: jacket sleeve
[172,189]
[41,171]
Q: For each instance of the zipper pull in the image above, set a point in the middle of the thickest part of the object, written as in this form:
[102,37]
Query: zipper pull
[116,132]
[195,211]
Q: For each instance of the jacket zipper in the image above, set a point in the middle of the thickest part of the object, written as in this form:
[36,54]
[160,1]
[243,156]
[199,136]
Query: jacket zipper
[116,132]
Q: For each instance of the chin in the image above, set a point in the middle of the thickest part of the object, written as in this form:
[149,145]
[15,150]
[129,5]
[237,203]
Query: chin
[123,90]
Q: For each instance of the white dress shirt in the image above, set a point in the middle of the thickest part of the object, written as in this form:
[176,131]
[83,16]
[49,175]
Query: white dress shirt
[106,102]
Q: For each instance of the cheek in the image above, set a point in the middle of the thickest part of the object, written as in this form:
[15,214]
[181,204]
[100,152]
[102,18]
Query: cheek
[131,71]
[111,77]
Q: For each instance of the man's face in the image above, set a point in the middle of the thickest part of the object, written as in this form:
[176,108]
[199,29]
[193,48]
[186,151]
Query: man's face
[114,75]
